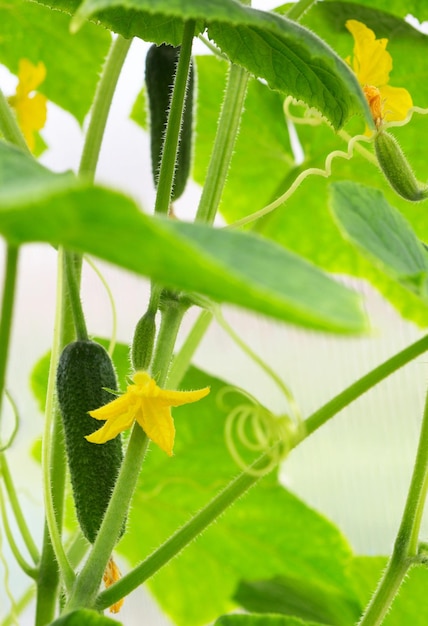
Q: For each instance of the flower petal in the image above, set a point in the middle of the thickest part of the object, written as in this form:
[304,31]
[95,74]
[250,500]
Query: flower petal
[178,398]
[371,63]
[111,428]
[157,423]
[30,77]
[113,409]
[397,103]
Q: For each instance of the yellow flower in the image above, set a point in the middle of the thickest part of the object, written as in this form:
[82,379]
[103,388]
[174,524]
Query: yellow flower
[30,108]
[372,64]
[147,403]
[112,575]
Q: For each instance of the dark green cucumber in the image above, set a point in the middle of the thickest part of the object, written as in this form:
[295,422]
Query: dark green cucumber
[396,168]
[161,62]
[84,368]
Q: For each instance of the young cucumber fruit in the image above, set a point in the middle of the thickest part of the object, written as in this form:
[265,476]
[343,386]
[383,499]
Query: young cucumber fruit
[161,62]
[84,368]
[396,168]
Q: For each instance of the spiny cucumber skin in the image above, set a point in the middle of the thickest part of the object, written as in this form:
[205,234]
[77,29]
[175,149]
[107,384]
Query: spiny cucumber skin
[396,168]
[161,62]
[84,369]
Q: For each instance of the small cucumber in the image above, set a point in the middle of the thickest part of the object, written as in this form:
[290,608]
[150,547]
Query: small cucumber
[142,344]
[161,62]
[84,368]
[396,168]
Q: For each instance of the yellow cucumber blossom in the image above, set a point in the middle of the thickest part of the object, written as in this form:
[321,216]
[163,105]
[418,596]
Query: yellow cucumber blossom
[372,64]
[149,405]
[112,575]
[30,108]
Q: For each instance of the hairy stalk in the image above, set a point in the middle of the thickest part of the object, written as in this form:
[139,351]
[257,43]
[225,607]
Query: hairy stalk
[8,300]
[221,156]
[405,547]
[183,358]
[101,107]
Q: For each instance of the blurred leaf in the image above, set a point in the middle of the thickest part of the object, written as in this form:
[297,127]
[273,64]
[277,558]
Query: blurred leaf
[400,8]
[269,532]
[261,620]
[139,110]
[84,617]
[30,31]
[36,205]
[381,233]
[299,598]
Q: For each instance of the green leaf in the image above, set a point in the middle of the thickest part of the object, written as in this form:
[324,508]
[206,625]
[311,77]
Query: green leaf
[369,222]
[289,57]
[227,266]
[300,598]
[269,532]
[262,620]
[32,32]
[84,617]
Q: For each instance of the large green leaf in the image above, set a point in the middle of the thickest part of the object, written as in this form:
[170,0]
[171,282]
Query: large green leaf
[37,205]
[288,56]
[262,620]
[30,31]
[381,232]
[268,532]
[300,598]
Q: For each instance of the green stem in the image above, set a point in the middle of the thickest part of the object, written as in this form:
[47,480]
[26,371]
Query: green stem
[180,539]
[170,325]
[9,126]
[385,593]
[87,583]
[20,605]
[299,8]
[17,511]
[182,359]
[101,107]
[172,135]
[8,299]
[74,296]
[406,543]
[359,387]
[26,567]
[224,143]
[48,579]
[49,434]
